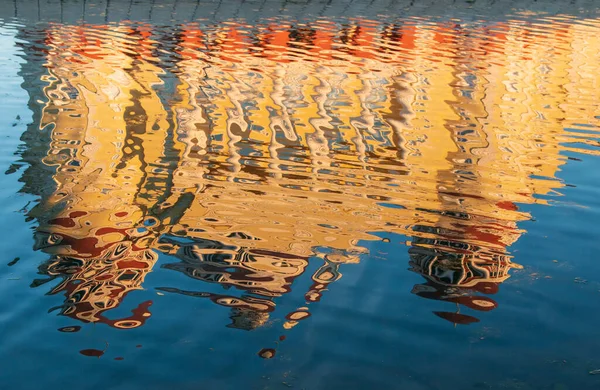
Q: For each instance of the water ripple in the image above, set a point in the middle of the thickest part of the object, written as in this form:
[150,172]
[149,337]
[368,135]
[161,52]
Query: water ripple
[250,154]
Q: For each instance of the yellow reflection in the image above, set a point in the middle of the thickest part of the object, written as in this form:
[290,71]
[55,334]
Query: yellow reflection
[244,151]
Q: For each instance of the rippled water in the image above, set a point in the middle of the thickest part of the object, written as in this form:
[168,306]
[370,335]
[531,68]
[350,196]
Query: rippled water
[311,195]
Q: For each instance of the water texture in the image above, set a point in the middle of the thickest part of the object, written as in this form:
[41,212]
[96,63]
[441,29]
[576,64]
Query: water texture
[269,195]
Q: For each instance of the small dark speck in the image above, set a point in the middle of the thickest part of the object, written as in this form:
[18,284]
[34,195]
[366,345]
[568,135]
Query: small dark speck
[14,124]
[14,261]
[18,117]
[139,346]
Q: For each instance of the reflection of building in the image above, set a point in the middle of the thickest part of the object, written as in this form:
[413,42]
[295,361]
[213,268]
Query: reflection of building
[245,153]
[260,275]
[509,143]
[252,270]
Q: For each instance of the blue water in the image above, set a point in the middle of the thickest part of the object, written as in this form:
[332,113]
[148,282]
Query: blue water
[290,195]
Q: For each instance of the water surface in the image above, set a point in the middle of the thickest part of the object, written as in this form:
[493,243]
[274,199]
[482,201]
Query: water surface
[311,195]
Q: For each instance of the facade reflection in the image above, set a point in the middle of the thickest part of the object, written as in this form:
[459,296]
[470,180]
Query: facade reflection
[242,151]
